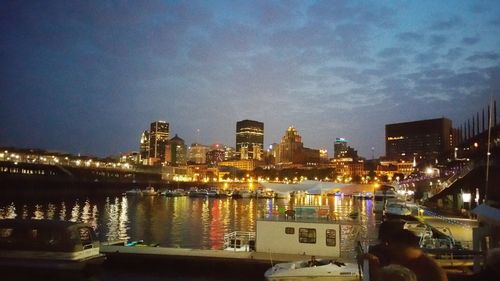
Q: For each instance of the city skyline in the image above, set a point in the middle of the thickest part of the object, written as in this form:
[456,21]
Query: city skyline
[88,77]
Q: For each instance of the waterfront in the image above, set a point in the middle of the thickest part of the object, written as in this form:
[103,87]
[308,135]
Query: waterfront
[186,222]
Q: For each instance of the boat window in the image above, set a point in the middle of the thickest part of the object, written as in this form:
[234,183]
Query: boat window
[85,235]
[289,230]
[307,235]
[331,237]
[6,232]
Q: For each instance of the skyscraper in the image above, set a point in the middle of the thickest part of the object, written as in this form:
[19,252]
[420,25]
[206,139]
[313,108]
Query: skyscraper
[249,139]
[158,139]
[424,139]
[339,148]
[144,147]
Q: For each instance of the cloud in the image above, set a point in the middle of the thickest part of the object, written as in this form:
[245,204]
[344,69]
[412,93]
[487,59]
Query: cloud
[410,36]
[437,40]
[471,40]
[454,53]
[485,56]
[447,24]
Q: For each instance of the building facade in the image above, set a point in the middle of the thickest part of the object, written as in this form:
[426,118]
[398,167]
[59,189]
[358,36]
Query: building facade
[158,139]
[176,152]
[423,140]
[291,150]
[249,139]
[197,153]
[144,148]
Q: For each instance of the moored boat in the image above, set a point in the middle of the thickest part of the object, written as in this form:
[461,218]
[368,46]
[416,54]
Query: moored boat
[321,269]
[48,245]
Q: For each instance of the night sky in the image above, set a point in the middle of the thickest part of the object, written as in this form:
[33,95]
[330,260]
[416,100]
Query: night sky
[89,76]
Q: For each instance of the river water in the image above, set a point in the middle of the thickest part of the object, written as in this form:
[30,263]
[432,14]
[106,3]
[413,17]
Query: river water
[188,222]
[183,221]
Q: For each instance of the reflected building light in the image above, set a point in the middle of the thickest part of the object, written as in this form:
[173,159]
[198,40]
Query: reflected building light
[62,212]
[123,221]
[51,211]
[25,212]
[38,213]
[75,212]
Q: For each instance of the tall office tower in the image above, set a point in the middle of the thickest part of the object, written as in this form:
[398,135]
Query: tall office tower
[158,139]
[176,152]
[340,148]
[290,147]
[249,139]
[144,148]
[424,140]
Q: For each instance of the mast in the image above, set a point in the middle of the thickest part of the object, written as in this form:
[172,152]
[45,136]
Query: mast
[488,153]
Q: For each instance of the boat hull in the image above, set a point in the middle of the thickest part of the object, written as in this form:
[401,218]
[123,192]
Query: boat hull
[300,271]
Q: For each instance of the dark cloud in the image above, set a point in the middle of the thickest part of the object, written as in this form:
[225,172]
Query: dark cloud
[446,24]
[427,57]
[485,56]
[471,40]
[454,53]
[410,36]
[437,40]
[390,52]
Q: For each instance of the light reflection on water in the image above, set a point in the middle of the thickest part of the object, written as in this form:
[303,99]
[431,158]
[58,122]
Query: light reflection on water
[189,222]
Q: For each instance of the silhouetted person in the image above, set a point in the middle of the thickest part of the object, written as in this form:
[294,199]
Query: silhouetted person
[313,261]
[492,267]
[403,249]
[396,272]
[386,229]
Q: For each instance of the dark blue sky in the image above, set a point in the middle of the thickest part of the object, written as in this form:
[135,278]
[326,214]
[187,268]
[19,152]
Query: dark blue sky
[89,76]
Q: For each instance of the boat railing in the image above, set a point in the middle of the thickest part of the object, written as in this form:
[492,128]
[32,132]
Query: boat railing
[239,240]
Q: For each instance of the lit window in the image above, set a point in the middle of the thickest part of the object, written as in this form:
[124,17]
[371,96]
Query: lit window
[289,230]
[307,235]
[331,237]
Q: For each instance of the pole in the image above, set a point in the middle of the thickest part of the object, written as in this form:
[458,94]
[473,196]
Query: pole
[488,155]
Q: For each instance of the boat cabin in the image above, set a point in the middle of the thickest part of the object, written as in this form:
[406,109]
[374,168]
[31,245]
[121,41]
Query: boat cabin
[301,236]
[47,240]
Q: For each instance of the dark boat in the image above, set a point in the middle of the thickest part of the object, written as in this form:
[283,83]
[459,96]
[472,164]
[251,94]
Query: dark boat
[50,246]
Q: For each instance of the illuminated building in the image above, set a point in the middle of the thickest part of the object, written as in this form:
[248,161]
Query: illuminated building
[144,147]
[158,139]
[424,139]
[197,153]
[176,152]
[249,139]
[340,148]
[291,150]
[245,165]
[215,156]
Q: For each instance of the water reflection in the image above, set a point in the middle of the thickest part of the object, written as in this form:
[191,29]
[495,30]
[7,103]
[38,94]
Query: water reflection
[190,222]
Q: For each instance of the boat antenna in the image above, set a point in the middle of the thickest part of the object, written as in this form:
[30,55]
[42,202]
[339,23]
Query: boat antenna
[488,153]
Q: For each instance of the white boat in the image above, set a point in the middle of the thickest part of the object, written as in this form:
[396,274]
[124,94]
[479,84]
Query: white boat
[321,269]
[195,192]
[396,209]
[48,245]
[418,228]
[363,195]
[243,193]
[134,192]
[149,191]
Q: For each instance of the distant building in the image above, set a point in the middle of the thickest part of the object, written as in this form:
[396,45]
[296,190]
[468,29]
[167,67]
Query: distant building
[342,150]
[424,140]
[291,150]
[249,139]
[197,153]
[214,156]
[144,148]
[176,152]
[245,165]
[158,139]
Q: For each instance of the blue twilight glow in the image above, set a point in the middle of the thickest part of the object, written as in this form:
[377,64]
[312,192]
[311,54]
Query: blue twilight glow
[88,76]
